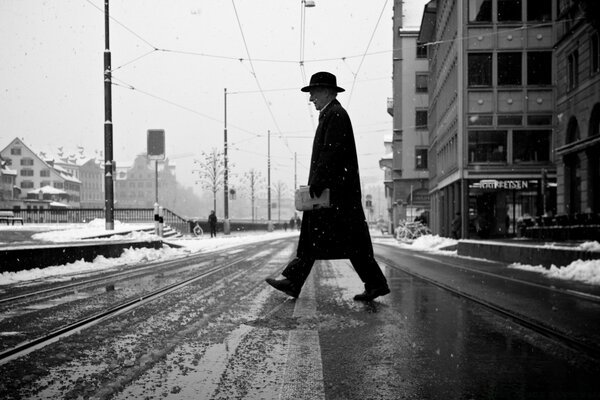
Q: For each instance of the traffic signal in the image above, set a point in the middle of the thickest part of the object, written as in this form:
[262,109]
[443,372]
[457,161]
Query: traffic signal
[156,144]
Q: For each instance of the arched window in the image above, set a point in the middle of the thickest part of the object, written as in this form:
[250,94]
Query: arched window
[572,131]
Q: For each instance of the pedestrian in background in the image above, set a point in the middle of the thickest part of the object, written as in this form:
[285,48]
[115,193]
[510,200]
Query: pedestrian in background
[292,223]
[456,225]
[340,231]
[212,222]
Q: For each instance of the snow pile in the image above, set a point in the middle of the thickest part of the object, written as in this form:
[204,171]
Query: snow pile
[66,272]
[95,227]
[589,246]
[432,243]
[582,271]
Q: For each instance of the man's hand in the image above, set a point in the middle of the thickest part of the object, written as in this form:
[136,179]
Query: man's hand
[315,191]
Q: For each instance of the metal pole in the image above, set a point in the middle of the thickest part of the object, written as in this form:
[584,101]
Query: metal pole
[269,223]
[226,229]
[156,181]
[108,129]
[295,176]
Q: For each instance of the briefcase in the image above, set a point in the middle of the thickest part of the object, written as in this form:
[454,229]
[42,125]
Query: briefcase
[304,202]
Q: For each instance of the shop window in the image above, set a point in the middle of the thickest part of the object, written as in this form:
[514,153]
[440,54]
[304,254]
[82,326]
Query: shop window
[421,158]
[539,120]
[421,51]
[26,185]
[487,146]
[539,10]
[572,69]
[421,119]
[509,10]
[15,151]
[480,69]
[480,10]
[594,54]
[509,69]
[480,120]
[539,68]
[531,146]
[512,120]
[421,82]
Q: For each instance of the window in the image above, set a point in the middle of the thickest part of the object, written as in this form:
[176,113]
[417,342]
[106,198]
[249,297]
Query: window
[58,185]
[421,82]
[481,120]
[44,183]
[7,161]
[487,146]
[539,68]
[421,158]
[539,10]
[510,120]
[531,146]
[480,10]
[572,68]
[509,10]
[26,185]
[26,161]
[15,151]
[421,51]
[26,172]
[421,119]
[45,173]
[480,69]
[509,69]
[594,54]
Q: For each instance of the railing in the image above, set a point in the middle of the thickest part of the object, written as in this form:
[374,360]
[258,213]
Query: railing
[131,215]
[84,215]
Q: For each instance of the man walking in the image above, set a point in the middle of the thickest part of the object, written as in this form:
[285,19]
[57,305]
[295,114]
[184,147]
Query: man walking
[340,231]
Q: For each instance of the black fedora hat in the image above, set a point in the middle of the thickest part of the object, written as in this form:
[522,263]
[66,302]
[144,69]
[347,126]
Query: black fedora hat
[322,79]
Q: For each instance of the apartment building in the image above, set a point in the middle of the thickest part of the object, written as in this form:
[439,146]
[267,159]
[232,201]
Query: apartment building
[409,109]
[578,107]
[491,113]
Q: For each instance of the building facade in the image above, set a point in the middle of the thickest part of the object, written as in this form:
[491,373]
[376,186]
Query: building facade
[578,108]
[491,113]
[409,109]
[40,184]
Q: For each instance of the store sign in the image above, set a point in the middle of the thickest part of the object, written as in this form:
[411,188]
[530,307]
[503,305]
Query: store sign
[501,184]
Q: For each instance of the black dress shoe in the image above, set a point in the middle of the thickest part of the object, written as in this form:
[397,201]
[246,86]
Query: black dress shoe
[284,285]
[371,294]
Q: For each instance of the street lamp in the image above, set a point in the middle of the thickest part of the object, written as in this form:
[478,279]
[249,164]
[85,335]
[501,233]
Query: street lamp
[226,226]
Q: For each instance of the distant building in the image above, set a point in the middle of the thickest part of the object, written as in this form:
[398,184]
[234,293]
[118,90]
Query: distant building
[8,190]
[491,112]
[91,174]
[40,184]
[578,107]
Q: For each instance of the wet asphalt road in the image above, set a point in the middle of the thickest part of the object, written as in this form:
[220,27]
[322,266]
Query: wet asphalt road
[236,338]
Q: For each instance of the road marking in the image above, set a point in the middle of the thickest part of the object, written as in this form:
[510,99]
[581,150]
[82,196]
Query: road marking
[303,377]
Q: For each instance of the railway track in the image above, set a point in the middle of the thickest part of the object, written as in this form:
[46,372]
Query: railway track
[227,262]
[589,349]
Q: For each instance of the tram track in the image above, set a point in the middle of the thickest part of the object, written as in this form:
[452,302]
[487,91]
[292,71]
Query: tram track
[129,304]
[589,349]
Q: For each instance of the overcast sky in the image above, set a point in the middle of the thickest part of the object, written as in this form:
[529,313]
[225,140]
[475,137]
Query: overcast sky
[172,61]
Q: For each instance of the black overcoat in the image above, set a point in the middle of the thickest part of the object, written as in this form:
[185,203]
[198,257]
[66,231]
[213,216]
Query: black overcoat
[340,231]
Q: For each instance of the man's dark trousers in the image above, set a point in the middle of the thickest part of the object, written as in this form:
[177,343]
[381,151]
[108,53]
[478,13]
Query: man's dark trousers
[366,267]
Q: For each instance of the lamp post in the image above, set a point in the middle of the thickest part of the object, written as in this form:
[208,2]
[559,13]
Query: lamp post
[109,199]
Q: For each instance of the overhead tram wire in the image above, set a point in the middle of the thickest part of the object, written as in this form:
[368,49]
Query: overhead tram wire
[365,53]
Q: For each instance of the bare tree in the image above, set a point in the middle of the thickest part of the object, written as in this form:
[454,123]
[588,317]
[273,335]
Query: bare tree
[280,189]
[211,172]
[253,180]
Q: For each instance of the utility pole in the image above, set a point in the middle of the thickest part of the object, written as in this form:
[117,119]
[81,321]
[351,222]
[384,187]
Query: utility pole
[295,182]
[109,200]
[269,223]
[226,227]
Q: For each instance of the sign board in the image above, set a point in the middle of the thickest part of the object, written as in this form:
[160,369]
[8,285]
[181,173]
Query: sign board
[513,184]
[156,144]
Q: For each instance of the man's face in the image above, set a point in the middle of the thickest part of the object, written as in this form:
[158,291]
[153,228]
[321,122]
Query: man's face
[320,97]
